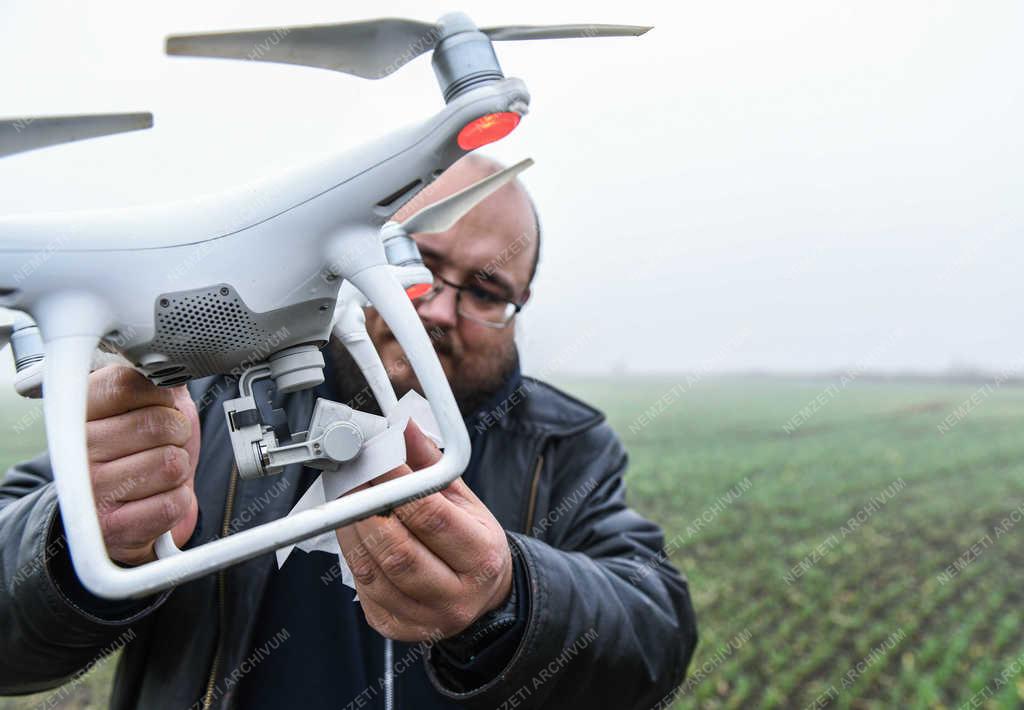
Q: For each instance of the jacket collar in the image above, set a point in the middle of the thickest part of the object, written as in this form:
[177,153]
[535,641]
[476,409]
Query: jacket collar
[533,407]
[512,384]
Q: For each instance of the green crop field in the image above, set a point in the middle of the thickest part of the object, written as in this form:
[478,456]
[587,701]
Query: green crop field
[816,554]
[848,545]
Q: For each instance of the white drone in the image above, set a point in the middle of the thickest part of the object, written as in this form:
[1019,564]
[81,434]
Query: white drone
[293,241]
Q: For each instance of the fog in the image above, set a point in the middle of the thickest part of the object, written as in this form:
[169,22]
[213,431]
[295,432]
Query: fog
[793,186]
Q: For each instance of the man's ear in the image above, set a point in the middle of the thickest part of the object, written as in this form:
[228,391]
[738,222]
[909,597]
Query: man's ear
[526,295]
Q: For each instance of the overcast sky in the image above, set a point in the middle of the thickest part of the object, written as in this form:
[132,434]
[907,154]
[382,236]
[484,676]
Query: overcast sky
[795,185]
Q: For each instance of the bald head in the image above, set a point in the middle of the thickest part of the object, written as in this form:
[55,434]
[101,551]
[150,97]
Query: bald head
[511,202]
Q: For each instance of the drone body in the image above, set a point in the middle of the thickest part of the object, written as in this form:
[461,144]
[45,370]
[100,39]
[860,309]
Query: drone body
[247,284]
[116,280]
[315,227]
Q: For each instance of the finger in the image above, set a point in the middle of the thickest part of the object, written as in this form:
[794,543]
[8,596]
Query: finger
[135,431]
[367,574]
[117,389]
[183,403]
[393,625]
[400,613]
[140,475]
[420,451]
[462,540]
[462,495]
[407,562]
[138,523]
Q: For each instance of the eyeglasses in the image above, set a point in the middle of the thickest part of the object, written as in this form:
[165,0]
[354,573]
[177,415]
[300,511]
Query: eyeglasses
[479,305]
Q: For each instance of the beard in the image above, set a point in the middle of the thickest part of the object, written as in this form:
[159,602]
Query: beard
[474,377]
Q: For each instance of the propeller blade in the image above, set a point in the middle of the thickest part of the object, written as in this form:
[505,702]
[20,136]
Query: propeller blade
[371,49]
[519,32]
[20,134]
[442,215]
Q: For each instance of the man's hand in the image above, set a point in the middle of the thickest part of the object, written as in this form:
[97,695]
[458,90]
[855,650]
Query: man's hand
[143,444]
[435,565]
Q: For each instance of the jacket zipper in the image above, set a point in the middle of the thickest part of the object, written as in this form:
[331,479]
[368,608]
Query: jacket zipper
[221,593]
[534,486]
[389,675]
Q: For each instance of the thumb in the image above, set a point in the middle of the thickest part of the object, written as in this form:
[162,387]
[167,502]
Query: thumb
[420,451]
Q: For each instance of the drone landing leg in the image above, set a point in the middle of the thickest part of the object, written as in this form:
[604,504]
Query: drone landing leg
[379,285]
[71,325]
[68,361]
[351,330]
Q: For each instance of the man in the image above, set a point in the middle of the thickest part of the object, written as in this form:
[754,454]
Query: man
[526,583]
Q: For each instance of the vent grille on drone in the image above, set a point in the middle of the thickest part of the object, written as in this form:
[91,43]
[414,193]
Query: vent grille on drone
[213,331]
[203,323]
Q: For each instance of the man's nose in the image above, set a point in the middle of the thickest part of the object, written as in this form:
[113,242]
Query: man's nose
[441,310]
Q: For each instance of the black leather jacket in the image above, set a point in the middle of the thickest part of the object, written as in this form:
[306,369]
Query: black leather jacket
[604,606]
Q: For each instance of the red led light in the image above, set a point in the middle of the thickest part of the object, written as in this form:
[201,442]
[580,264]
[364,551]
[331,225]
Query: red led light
[487,129]
[417,290]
